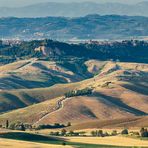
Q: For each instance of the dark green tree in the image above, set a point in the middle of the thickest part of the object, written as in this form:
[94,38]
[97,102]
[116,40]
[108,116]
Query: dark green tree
[124,132]
[7,124]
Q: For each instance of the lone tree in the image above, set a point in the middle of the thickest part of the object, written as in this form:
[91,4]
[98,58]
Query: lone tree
[7,124]
[22,127]
[124,132]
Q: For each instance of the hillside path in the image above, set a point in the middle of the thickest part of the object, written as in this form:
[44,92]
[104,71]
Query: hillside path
[59,105]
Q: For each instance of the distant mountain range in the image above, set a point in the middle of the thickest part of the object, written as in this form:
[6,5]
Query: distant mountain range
[62,28]
[75,9]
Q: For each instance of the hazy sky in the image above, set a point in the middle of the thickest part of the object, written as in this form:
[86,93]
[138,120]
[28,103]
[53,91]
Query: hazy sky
[17,3]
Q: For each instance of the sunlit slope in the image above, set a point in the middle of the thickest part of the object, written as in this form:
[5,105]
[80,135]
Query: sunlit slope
[118,89]
[36,73]
[25,82]
[14,99]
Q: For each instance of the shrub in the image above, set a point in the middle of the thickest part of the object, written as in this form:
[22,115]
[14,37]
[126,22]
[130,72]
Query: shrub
[63,132]
[94,133]
[54,134]
[144,132]
[114,133]
[124,132]
[100,133]
[63,143]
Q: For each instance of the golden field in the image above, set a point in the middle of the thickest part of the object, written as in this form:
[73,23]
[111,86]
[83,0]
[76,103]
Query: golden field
[5,143]
[114,140]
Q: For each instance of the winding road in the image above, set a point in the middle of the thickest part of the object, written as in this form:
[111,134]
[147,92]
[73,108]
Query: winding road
[59,105]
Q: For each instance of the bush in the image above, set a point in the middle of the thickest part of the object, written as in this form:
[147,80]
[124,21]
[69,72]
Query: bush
[93,133]
[63,132]
[54,134]
[114,133]
[72,133]
[63,143]
[100,133]
[144,132]
[124,132]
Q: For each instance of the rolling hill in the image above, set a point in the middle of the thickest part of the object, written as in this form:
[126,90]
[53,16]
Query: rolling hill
[47,82]
[34,73]
[117,90]
[62,28]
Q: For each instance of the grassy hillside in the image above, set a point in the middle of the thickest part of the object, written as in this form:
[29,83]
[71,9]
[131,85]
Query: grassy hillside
[118,89]
[34,73]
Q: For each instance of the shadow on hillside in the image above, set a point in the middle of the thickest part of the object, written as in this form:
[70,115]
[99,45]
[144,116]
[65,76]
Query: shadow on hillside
[136,87]
[119,104]
[15,82]
[29,137]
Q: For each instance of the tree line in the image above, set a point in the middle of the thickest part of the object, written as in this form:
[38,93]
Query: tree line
[82,92]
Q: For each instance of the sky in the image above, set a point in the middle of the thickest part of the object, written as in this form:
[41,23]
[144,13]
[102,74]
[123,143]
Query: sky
[18,3]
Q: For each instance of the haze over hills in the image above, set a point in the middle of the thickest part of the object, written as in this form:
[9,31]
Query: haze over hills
[75,9]
[62,28]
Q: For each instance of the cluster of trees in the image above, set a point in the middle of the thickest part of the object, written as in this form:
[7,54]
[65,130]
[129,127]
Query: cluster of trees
[56,125]
[100,133]
[64,132]
[97,133]
[81,92]
[143,133]
[19,126]
[23,126]
[136,51]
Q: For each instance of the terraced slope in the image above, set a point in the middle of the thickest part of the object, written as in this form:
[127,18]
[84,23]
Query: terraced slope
[118,89]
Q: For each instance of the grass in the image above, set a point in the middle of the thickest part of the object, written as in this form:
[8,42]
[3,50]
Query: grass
[51,140]
[136,137]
